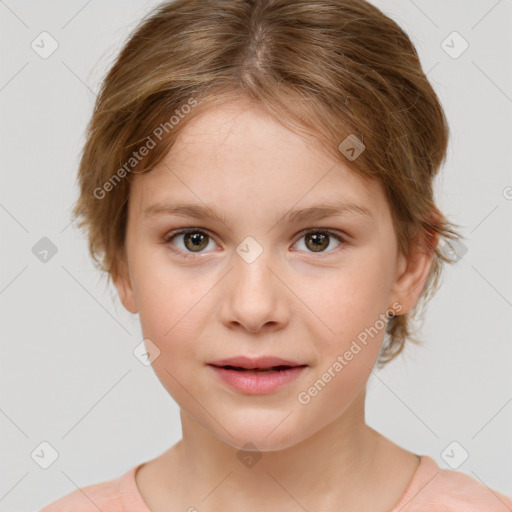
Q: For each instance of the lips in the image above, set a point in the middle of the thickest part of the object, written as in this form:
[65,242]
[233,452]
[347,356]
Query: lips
[257,364]
[261,379]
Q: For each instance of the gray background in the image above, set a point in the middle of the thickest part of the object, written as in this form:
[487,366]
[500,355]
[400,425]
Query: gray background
[68,374]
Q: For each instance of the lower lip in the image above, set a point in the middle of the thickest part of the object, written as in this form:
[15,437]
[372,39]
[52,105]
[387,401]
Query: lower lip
[257,383]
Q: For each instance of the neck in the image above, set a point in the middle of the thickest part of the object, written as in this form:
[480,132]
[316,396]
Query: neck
[333,464]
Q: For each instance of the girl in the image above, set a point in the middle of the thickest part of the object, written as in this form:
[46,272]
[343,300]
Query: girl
[257,182]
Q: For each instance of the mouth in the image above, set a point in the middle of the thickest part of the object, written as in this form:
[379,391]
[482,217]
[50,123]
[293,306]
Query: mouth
[259,380]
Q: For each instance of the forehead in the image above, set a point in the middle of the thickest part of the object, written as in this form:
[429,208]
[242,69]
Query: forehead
[236,155]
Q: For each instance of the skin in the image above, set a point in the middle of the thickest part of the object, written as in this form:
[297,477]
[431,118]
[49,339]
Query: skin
[291,302]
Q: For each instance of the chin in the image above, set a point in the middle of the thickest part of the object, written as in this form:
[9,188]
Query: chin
[257,444]
[264,436]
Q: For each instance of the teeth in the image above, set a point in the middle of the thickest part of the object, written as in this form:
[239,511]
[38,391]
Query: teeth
[256,370]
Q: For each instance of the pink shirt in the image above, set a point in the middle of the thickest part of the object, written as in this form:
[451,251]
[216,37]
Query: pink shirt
[431,490]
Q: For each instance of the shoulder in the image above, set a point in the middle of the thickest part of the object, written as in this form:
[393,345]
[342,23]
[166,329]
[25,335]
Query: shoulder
[445,490]
[109,496]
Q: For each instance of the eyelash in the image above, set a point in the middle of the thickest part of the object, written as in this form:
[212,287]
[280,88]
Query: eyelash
[170,236]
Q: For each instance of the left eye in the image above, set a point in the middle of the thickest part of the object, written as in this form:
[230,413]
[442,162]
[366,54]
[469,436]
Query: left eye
[195,240]
[317,240]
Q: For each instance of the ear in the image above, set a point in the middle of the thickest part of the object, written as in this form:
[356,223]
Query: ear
[124,286]
[412,271]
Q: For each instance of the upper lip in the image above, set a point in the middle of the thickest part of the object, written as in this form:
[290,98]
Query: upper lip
[255,362]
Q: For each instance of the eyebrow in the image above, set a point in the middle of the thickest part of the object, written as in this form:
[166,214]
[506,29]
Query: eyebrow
[316,212]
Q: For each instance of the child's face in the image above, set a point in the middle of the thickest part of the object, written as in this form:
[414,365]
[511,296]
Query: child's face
[292,301]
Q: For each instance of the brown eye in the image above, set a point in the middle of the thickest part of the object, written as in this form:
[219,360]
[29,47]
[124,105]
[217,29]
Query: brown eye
[192,241]
[196,240]
[316,240]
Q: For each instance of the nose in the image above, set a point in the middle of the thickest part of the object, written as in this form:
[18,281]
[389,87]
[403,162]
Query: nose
[254,297]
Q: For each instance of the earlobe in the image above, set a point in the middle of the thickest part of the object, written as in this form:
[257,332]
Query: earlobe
[124,288]
[413,271]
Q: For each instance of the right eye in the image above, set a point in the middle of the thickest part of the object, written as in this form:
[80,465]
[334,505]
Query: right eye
[194,241]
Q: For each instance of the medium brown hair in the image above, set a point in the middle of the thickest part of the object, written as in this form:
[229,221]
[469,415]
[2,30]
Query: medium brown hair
[327,68]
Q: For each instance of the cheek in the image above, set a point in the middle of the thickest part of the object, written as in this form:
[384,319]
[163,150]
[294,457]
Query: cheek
[352,294]
[167,299]
[172,320]
[349,306]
